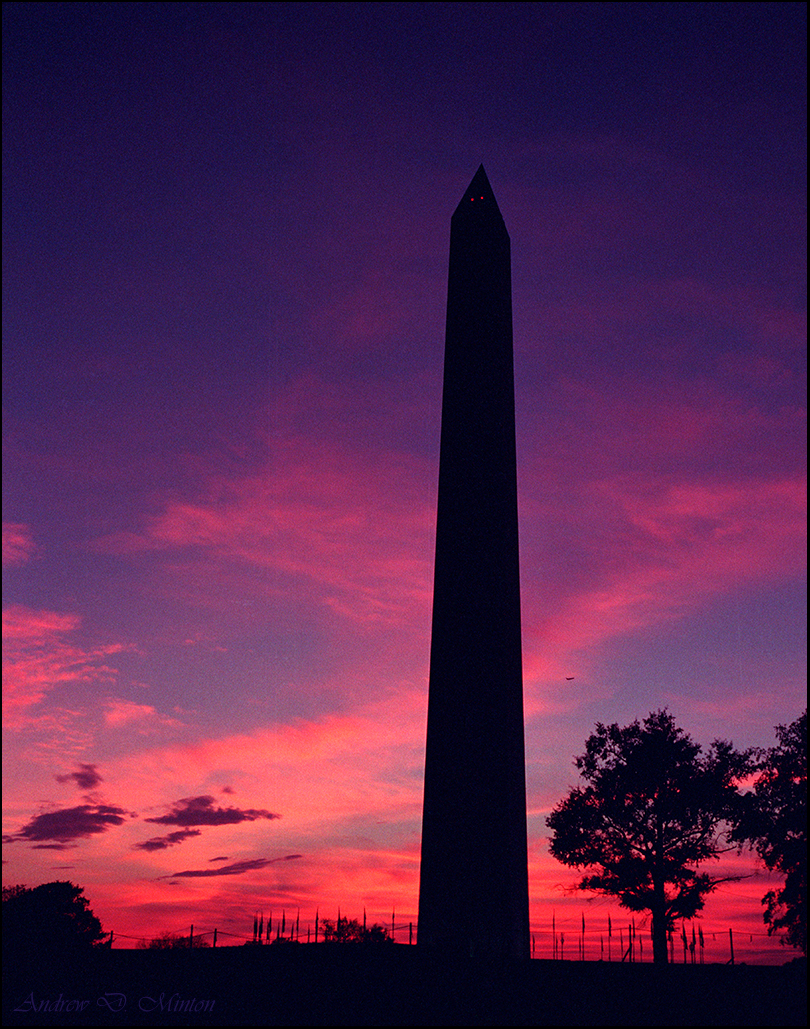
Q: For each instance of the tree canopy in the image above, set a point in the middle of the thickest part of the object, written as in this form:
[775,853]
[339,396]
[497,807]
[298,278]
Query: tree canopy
[52,919]
[775,822]
[653,810]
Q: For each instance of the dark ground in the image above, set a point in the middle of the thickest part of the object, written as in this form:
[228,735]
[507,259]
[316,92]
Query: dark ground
[391,985]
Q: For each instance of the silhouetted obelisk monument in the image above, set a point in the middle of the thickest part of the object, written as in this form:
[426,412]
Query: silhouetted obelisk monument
[474,895]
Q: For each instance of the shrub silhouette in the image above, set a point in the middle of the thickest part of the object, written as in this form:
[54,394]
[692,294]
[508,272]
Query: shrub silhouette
[346,930]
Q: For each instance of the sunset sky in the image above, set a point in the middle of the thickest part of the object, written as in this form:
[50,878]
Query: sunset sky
[226,231]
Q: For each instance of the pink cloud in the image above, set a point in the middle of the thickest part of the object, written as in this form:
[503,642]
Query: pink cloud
[350,531]
[669,551]
[37,658]
[319,769]
[23,623]
[325,776]
[18,544]
[346,536]
[686,498]
[119,712]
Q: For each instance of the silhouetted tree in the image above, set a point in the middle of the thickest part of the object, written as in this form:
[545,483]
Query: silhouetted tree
[774,821]
[352,931]
[172,941]
[653,808]
[52,920]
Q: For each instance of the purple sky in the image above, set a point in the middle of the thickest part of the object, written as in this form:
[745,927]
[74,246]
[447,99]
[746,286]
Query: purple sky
[226,235]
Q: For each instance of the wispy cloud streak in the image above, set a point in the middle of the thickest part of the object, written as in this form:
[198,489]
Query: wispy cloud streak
[237,868]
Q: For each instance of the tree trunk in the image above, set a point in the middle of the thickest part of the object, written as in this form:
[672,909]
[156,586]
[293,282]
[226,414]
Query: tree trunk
[659,924]
[659,905]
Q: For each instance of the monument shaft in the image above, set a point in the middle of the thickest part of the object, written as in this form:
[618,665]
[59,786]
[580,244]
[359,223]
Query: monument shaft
[474,881]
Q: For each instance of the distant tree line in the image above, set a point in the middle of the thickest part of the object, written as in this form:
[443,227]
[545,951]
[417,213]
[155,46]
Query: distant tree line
[173,941]
[346,930]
